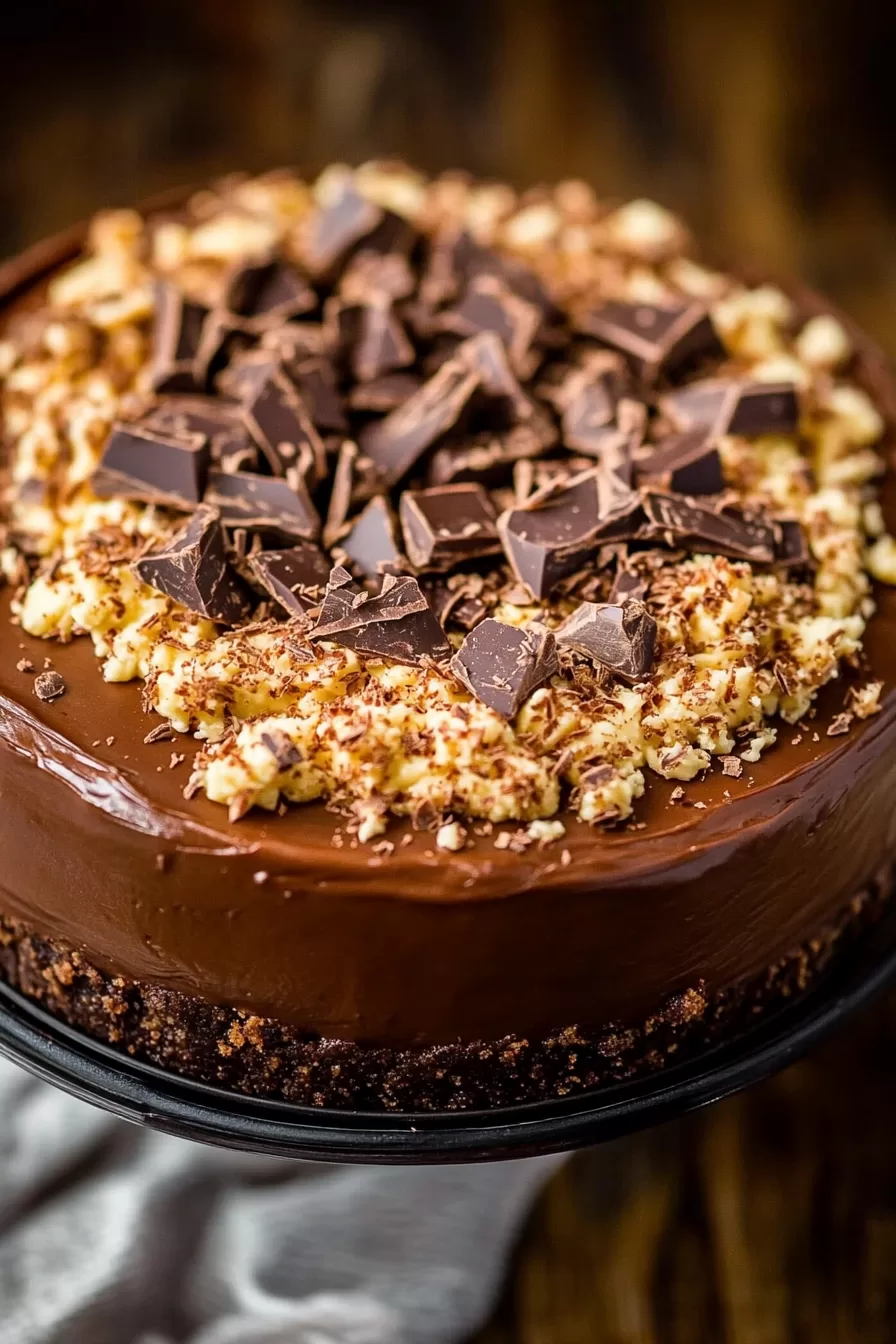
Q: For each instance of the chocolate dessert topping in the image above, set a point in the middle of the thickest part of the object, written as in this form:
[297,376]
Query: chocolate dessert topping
[337,227]
[654,339]
[264,503]
[587,399]
[230,445]
[278,420]
[49,686]
[396,442]
[677,519]
[385,393]
[621,638]
[791,544]
[448,525]
[733,406]
[628,584]
[502,665]
[152,465]
[489,305]
[369,337]
[268,292]
[485,458]
[553,535]
[193,570]
[296,578]
[315,378]
[687,463]
[177,332]
[398,623]
[372,540]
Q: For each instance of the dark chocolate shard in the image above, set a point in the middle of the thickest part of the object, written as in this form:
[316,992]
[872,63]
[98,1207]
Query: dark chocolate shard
[368,337]
[371,273]
[221,341]
[448,525]
[679,520]
[384,394]
[335,229]
[176,334]
[294,340]
[397,441]
[587,400]
[655,339]
[489,305]
[486,458]
[247,372]
[791,544]
[153,465]
[193,570]
[371,542]
[486,356]
[628,584]
[269,504]
[733,406]
[687,463]
[398,623]
[554,535]
[502,665]
[621,638]
[278,420]
[315,378]
[295,578]
[268,293]
[230,445]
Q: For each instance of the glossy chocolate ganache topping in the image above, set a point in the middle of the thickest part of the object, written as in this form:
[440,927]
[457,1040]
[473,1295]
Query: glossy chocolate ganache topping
[379,550]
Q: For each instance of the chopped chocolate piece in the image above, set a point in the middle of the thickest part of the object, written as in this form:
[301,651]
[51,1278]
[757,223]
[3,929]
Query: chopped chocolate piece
[285,754]
[486,356]
[230,445]
[655,339]
[372,273]
[839,725]
[247,373]
[264,503]
[553,536]
[486,458]
[621,638]
[502,665]
[732,766]
[220,342]
[369,336]
[628,585]
[688,463]
[277,417]
[294,340]
[268,292]
[791,544]
[355,481]
[587,400]
[49,686]
[372,541]
[176,333]
[296,578]
[489,305]
[384,394]
[396,442]
[448,525]
[733,406]
[149,464]
[398,623]
[678,519]
[193,570]
[334,229]
[468,613]
[163,732]
[315,378]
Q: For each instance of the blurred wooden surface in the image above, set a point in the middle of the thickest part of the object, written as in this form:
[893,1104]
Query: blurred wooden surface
[769,1218]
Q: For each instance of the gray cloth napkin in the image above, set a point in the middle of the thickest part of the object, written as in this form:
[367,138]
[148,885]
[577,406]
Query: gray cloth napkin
[111,1234]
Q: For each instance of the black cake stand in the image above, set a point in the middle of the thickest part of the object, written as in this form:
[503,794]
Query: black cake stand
[152,1096]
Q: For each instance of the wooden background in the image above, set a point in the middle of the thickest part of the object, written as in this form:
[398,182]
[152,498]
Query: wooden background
[772,126]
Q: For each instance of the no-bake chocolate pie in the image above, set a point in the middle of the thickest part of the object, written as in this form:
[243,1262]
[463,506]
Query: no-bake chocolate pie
[441,659]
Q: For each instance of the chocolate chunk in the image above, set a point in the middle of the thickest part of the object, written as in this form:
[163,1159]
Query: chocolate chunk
[655,339]
[149,464]
[628,584]
[486,458]
[448,525]
[587,400]
[791,544]
[397,441]
[192,569]
[372,541]
[398,623]
[222,340]
[49,686]
[489,305]
[315,378]
[247,373]
[334,229]
[296,578]
[176,334]
[733,406]
[355,481]
[277,417]
[285,753]
[294,340]
[370,273]
[384,394]
[621,638]
[554,535]
[486,356]
[267,293]
[229,443]
[264,503]
[688,463]
[502,666]
[369,337]
[680,520]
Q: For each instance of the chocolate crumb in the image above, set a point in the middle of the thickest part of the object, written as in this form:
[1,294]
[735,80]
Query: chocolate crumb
[24,665]
[163,732]
[840,725]
[49,686]
[732,766]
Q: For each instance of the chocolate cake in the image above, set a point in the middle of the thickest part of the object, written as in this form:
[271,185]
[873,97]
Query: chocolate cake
[448,638]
